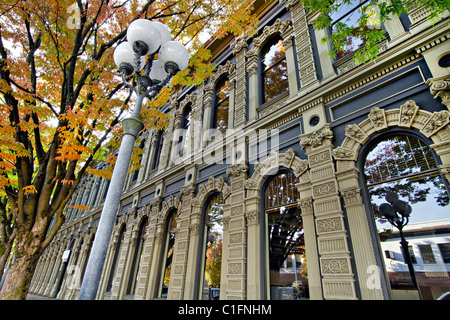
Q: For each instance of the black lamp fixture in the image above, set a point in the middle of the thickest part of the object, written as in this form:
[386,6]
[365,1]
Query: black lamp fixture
[397,212]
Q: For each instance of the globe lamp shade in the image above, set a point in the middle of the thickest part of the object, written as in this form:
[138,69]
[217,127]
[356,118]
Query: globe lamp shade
[144,36]
[387,210]
[174,56]
[164,32]
[124,58]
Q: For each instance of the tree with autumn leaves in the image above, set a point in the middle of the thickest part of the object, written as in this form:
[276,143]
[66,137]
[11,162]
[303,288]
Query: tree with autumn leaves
[62,102]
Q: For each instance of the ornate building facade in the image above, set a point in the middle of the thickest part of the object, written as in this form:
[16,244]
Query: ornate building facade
[265,183]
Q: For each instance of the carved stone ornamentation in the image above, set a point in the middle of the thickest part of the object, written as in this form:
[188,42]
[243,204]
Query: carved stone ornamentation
[335,266]
[324,189]
[278,27]
[188,190]
[329,225]
[252,217]
[227,68]
[250,184]
[341,153]
[440,87]
[378,118]
[317,137]
[289,157]
[437,121]
[354,132]
[236,170]
[193,229]
[352,196]
[240,44]
[407,113]
[300,168]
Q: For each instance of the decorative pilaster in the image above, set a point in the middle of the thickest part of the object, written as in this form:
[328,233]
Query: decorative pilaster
[181,252]
[335,260]
[306,67]
[236,235]
[146,281]
[240,48]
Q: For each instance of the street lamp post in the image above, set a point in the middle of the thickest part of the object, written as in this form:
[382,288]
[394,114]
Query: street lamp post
[135,56]
[397,212]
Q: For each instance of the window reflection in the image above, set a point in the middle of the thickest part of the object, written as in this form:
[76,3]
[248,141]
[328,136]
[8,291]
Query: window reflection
[168,256]
[405,165]
[285,237]
[221,105]
[348,13]
[274,69]
[213,239]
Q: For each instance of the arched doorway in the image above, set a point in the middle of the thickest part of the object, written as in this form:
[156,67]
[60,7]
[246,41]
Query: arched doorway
[405,164]
[285,259]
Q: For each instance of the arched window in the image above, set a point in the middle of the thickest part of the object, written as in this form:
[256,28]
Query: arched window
[138,248]
[274,75]
[168,249]
[212,248]
[286,269]
[406,165]
[221,104]
[112,273]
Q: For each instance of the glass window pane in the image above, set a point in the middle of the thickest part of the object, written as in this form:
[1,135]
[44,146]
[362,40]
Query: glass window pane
[222,115]
[348,13]
[427,254]
[405,165]
[169,250]
[287,259]
[445,251]
[281,190]
[213,248]
[286,247]
[274,69]
[275,81]
[221,106]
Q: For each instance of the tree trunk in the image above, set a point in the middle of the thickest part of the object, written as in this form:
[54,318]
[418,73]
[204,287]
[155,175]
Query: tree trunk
[27,252]
[18,278]
[5,255]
